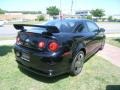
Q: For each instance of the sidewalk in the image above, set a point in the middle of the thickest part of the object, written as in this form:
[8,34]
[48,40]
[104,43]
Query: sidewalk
[111,53]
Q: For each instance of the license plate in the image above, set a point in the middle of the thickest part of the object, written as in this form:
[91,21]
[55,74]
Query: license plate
[25,56]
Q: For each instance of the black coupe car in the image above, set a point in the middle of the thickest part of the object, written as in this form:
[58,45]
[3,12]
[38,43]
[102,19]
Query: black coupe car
[58,46]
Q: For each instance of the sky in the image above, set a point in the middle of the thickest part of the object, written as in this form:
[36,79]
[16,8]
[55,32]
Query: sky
[111,7]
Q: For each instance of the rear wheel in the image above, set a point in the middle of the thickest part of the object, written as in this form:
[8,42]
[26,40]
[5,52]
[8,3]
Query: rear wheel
[77,64]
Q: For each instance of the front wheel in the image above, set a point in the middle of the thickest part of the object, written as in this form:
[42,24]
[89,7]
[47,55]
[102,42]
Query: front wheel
[77,64]
[102,45]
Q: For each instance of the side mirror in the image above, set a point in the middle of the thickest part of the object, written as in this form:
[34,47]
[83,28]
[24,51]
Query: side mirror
[102,29]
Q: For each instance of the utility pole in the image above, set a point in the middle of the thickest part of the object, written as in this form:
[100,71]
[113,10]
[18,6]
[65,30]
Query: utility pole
[60,13]
[71,6]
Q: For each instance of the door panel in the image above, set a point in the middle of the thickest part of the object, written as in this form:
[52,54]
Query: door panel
[93,37]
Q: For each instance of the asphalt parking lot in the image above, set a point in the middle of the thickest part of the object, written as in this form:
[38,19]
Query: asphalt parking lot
[110,27]
[9,31]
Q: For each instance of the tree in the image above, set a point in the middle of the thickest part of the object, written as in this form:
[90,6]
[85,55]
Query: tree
[53,10]
[98,13]
[2,11]
[40,18]
[89,17]
[25,12]
[103,19]
[110,18]
[31,12]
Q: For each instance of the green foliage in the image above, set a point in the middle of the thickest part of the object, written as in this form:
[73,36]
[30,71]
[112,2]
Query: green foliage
[52,10]
[26,12]
[103,19]
[113,41]
[2,11]
[31,12]
[98,13]
[110,18]
[89,17]
[40,18]
[115,19]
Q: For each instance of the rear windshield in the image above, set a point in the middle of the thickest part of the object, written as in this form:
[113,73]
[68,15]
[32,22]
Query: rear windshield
[63,26]
[35,29]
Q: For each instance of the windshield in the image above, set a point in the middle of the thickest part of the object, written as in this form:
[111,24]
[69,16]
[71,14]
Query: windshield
[63,26]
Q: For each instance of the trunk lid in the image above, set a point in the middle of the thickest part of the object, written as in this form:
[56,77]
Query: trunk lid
[31,35]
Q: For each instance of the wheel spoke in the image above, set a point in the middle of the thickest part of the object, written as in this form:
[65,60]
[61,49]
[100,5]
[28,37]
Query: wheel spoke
[79,62]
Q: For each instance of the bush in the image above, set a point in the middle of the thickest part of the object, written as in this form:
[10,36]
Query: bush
[110,18]
[103,19]
[40,18]
[89,17]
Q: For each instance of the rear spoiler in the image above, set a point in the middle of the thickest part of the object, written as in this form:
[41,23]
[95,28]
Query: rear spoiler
[50,29]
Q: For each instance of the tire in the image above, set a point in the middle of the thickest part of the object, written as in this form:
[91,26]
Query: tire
[77,64]
[102,45]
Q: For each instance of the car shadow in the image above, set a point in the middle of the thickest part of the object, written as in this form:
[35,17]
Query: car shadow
[5,50]
[113,87]
[43,78]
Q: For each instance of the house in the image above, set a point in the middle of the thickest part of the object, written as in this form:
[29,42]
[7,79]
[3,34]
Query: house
[83,13]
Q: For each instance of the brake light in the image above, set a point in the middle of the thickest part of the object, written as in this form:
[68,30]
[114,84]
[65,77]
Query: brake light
[41,44]
[53,46]
[17,40]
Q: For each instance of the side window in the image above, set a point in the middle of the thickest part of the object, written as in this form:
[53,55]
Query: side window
[80,28]
[92,26]
[65,27]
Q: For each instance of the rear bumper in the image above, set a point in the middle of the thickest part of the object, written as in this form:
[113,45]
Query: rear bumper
[42,63]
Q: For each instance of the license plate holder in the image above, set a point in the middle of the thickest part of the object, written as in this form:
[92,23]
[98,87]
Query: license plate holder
[25,57]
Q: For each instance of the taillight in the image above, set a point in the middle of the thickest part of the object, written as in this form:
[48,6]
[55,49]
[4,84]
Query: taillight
[41,44]
[53,46]
[18,40]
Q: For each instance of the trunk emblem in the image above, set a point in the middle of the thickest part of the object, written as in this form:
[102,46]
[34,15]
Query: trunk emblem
[27,40]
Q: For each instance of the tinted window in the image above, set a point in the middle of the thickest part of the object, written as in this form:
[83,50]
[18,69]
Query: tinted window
[35,29]
[63,26]
[80,28]
[57,24]
[92,26]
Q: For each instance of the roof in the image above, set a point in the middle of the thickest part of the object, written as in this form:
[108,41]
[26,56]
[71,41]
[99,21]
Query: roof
[77,20]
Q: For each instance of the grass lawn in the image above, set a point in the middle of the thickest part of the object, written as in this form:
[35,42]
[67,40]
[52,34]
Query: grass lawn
[96,75]
[113,41]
